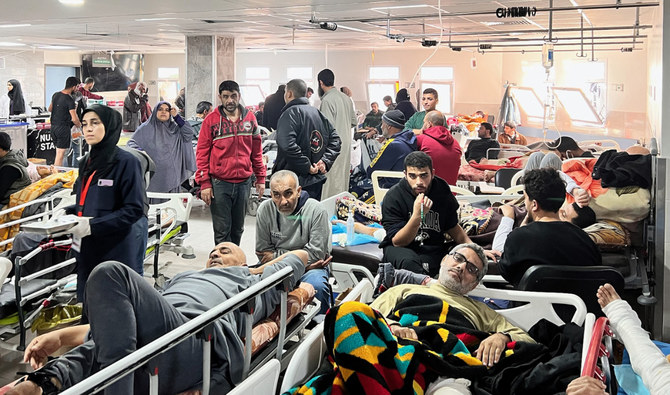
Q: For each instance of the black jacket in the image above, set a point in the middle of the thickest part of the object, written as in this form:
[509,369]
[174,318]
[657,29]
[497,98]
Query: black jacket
[304,137]
[274,104]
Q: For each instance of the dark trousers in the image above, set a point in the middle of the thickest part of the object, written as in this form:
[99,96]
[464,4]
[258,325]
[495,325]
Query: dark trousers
[314,190]
[126,313]
[423,260]
[228,209]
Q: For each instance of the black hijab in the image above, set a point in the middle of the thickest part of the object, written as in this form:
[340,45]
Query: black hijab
[16,103]
[103,155]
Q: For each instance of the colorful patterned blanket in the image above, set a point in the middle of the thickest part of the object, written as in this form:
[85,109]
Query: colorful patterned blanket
[365,357]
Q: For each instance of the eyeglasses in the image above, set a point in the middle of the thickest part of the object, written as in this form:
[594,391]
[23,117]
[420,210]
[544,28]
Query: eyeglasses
[471,267]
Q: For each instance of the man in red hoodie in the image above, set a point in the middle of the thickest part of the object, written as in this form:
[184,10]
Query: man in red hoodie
[229,147]
[436,140]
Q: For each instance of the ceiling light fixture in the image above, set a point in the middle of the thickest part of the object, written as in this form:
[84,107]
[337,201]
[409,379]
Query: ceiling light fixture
[17,25]
[11,44]
[153,19]
[328,26]
[72,2]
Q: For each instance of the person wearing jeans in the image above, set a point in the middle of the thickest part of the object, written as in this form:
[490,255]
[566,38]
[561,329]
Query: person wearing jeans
[228,152]
[229,209]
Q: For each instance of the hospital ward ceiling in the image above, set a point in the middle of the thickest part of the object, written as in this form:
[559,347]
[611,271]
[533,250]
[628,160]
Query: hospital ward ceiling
[262,25]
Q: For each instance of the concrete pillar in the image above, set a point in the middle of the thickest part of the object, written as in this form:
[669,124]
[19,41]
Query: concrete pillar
[209,60]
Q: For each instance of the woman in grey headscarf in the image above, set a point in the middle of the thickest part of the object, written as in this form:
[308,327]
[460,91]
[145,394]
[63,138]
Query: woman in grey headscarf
[166,137]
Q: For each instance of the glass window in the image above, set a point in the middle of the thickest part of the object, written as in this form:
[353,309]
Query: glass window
[168,73]
[168,90]
[252,94]
[384,73]
[578,106]
[444,95]
[377,91]
[529,102]
[437,73]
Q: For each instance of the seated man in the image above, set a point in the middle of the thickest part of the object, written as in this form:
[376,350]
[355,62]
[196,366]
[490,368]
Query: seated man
[546,240]
[290,221]
[416,228]
[13,169]
[436,140]
[567,147]
[477,149]
[399,143]
[511,136]
[373,118]
[126,313]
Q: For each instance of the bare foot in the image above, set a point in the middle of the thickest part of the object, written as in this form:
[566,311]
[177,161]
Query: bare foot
[606,294]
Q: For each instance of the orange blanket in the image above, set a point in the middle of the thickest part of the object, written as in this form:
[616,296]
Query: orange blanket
[580,170]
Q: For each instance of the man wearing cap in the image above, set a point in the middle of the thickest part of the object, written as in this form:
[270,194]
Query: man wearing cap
[228,153]
[399,143]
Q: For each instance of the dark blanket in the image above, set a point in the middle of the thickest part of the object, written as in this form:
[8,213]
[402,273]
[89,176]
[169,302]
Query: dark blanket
[366,358]
[618,169]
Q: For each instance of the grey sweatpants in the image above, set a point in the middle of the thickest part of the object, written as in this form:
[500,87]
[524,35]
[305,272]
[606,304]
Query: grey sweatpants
[126,313]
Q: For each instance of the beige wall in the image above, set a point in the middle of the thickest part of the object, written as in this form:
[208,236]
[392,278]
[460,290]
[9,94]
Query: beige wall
[151,64]
[473,89]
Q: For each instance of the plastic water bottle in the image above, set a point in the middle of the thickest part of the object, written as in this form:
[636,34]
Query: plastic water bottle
[350,227]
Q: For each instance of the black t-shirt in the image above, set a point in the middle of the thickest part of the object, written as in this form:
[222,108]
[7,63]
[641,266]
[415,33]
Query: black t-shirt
[398,205]
[477,149]
[60,113]
[8,175]
[546,243]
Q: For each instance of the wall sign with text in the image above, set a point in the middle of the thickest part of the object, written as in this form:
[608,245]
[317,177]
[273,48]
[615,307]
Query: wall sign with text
[516,12]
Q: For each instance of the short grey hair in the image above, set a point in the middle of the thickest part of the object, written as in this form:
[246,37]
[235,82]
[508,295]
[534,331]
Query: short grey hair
[283,174]
[298,87]
[480,254]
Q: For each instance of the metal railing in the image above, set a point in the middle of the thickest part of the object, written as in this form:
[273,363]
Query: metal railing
[201,325]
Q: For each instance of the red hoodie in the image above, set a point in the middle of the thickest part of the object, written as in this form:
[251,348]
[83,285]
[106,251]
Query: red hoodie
[444,150]
[229,150]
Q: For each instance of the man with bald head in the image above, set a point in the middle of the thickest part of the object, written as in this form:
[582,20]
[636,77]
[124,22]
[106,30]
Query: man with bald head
[436,140]
[292,220]
[126,313]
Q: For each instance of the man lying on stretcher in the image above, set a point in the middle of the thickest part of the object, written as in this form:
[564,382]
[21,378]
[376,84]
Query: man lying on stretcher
[126,313]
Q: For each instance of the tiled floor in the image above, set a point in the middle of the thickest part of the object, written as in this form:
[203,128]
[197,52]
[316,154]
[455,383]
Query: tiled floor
[201,239]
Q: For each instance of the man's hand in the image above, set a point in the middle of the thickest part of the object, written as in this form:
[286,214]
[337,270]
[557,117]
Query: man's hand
[320,264]
[260,189]
[407,333]
[421,199]
[206,195]
[265,256]
[586,386]
[25,388]
[321,166]
[491,348]
[582,197]
[493,254]
[507,210]
[372,133]
[40,348]
[313,169]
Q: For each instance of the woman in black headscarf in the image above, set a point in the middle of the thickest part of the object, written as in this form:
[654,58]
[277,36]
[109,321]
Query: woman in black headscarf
[16,103]
[403,104]
[110,198]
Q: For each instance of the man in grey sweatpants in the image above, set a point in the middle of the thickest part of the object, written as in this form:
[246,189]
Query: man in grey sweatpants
[126,313]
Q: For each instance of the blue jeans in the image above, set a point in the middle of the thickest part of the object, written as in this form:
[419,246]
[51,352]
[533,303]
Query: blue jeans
[319,280]
[228,209]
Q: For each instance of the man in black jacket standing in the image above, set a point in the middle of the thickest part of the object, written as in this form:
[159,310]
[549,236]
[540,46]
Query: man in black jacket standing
[308,143]
[274,104]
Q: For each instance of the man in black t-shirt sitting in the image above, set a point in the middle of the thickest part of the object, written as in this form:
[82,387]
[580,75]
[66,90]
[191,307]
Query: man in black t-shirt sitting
[417,214]
[546,240]
[477,149]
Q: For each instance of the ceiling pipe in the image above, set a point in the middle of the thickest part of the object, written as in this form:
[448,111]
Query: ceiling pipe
[551,19]
[528,31]
[560,43]
[524,51]
[514,39]
[314,19]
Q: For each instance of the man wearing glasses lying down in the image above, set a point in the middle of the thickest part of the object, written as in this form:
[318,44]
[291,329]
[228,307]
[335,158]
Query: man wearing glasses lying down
[126,313]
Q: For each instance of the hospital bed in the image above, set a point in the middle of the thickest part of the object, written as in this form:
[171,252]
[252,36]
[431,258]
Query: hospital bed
[309,356]
[263,381]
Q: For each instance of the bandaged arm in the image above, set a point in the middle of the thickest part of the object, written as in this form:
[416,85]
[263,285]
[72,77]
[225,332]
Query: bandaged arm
[646,359]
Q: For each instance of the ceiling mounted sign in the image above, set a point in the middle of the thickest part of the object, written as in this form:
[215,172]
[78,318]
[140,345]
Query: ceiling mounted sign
[101,61]
[516,12]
